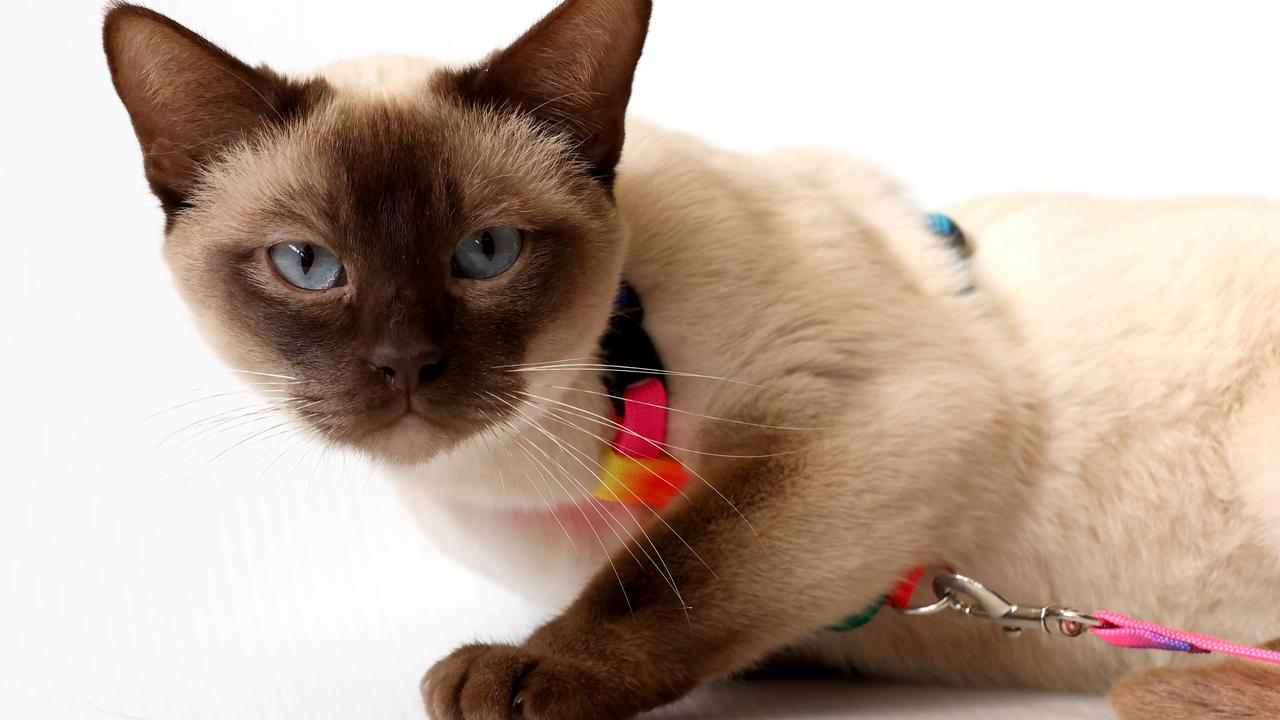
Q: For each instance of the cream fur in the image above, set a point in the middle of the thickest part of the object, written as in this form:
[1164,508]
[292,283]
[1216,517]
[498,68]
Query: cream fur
[1123,369]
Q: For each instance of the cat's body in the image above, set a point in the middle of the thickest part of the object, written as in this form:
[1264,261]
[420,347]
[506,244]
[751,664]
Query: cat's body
[1097,423]
[1141,341]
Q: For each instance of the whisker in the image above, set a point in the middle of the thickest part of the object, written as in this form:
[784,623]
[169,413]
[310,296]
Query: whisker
[586,494]
[206,425]
[523,444]
[656,445]
[544,363]
[557,416]
[609,422]
[502,480]
[222,422]
[530,422]
[306,453]
[663,571]
[668,408]
[262,374]
[285,446]
[253,439]
[179,406]
[506,448]
[551,511]
[651,471]
[632,368]
[324,456]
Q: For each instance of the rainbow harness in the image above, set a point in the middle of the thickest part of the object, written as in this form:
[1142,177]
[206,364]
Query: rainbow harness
[636,468]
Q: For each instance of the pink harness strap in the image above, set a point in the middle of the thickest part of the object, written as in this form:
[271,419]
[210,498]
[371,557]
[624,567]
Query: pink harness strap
[635,468]
[645,420]
[1124,631]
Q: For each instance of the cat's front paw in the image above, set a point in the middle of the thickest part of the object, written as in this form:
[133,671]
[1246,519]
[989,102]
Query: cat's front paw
[492,682]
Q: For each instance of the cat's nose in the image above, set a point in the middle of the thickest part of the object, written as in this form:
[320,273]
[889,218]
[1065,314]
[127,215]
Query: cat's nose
[405,368]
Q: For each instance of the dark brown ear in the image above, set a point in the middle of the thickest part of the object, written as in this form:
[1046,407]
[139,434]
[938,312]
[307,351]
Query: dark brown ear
[572,72]
[188,99]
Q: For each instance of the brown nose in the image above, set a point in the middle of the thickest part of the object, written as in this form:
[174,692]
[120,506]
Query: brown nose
[405,368]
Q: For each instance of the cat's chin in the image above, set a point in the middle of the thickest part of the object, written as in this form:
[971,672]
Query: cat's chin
[410,439]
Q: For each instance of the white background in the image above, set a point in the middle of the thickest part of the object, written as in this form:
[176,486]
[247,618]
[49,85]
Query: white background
[281,582]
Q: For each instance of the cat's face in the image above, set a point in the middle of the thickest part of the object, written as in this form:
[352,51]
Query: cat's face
[393,260]
[389,253]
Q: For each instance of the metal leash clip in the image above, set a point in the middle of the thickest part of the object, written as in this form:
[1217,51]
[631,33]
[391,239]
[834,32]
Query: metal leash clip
[969,597]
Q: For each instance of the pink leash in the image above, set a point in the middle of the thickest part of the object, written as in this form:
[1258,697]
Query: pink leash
[1126,632]
[969,597]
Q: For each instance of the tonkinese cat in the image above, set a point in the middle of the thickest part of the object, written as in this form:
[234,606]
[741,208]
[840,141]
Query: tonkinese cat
[712,404]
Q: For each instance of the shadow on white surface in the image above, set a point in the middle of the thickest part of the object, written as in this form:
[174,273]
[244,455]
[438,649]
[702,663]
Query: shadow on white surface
[823,699]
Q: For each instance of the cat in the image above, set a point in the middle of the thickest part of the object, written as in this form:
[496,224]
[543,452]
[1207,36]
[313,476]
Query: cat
[431,255]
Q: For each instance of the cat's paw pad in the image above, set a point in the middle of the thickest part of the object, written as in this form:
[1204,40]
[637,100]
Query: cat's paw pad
[508,682]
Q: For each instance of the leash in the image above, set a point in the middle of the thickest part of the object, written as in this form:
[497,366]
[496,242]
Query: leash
[964,595]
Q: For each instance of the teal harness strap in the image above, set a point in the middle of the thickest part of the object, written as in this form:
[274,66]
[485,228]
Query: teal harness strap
[857,620]
[950,233]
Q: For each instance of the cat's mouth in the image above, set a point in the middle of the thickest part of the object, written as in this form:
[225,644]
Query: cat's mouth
[408,436]
[399,430]
[399,416]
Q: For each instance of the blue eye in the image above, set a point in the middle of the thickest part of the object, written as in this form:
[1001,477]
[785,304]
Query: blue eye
[488,253]
[306,266]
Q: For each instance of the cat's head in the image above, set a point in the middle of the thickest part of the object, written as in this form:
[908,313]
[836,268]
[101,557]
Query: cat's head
[386,239]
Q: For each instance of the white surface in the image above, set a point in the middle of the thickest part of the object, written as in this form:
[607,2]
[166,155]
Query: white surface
[172,588]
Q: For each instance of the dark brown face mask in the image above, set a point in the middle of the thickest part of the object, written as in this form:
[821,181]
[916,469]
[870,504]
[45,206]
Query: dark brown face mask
[390,254]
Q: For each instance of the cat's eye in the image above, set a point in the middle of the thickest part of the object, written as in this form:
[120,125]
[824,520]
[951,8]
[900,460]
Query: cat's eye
[488,253]
[306,266]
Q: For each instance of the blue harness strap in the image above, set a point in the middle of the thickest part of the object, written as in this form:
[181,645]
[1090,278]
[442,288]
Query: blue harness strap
[949,232]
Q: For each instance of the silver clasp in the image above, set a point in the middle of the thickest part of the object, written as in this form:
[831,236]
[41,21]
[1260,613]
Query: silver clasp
[969,597]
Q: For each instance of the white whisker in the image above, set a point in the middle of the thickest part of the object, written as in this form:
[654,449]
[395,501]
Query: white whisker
[546,502]
[263,374]
[253,439]
[652,472]
[285,446]
[524,445]
[222,422]
[678,411]
[648,371]
[654,443]
[661,564]
[544,363]
[179,406]
[204,426]
[586,494]
[611,423]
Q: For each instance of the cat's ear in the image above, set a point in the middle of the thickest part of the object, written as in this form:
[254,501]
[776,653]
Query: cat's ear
[572,72]
[188,99]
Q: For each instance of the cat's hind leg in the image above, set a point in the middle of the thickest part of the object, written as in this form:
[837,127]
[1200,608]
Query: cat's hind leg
[1235,690]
